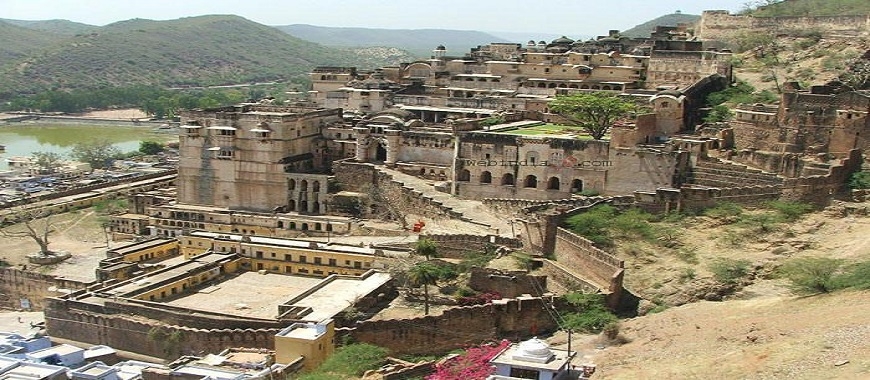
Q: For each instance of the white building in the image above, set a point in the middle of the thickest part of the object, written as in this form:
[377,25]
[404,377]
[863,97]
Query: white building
[534,359]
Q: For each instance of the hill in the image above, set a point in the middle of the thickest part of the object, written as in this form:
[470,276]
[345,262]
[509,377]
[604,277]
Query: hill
[644,30]
[62,27]
[19,42]
[196,51]
[813,8]
[420,42]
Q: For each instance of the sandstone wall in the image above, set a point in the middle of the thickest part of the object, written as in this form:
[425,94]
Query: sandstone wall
[722,26]
[458,327]
[29,288]
[509,284]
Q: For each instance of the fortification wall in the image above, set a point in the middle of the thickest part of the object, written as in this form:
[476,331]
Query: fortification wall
[19,289]
[509,284]
[722,26]
[456,246]
[582,257]
[149,337]
[458,327]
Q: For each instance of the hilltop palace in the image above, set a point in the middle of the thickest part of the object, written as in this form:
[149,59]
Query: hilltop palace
[458,138]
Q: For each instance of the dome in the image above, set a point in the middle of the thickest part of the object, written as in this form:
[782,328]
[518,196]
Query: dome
[440,47]
[563,41]
[531,42]
[533,350]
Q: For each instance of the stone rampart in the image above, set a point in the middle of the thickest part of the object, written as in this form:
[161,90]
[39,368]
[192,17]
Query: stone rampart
[722,26]
[459,245]
[28,290]
[459,327]
[508,284]
[149,337]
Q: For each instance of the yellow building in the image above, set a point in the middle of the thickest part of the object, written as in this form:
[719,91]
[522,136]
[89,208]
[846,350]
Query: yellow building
[314,342]
[283,255]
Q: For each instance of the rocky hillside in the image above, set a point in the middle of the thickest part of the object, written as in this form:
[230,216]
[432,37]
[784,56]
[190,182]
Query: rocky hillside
[196,51]
[644,30]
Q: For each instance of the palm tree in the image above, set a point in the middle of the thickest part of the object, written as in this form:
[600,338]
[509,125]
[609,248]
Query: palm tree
[424,274]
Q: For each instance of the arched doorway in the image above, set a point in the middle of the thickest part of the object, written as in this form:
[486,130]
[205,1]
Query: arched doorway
[381,153]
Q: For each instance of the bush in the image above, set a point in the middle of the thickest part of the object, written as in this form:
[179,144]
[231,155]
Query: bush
[727,211]
[590,313]
[594,224]
[728,271]
[811,275]
[790,211]
[354,359]
[859,180]
[856,276]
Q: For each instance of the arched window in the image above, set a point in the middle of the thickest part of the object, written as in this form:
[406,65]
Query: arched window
[531,181]
[316,186]
[532,158]
[486,177]
[464,175]
[553,183]
[291,205]
[291,185]
[303,186]
[576,185]
[508,179]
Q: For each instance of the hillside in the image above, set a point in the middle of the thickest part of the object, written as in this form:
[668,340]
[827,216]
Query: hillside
[61,27]
[813,8]
[644,30]
[205,50]
[19,42]
[420,42]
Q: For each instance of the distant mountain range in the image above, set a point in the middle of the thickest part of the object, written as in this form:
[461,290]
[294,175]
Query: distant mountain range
[419,42]
[196,51]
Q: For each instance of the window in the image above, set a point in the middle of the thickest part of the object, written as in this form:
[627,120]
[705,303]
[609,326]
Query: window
[302,258]
[318,261]
[332,262]
[464,175]
[486,177]
[288,257]
[531,181]
[523,373]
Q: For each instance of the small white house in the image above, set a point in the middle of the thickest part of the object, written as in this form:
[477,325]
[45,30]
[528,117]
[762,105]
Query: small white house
[533,359]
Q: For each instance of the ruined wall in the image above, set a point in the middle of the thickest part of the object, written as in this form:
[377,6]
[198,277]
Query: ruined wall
[458,245]
[722,26]
[29,288]
[149,337]
[821,188]
[508,284]
[458,327]
[580,255]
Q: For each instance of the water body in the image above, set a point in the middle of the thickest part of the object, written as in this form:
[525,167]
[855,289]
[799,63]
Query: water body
[23,139]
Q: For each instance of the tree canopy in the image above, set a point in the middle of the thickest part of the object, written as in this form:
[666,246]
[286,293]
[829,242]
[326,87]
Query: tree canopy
[97,153]
[594,111]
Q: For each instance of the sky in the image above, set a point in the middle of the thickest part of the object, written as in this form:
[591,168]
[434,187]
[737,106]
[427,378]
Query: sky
[568,17]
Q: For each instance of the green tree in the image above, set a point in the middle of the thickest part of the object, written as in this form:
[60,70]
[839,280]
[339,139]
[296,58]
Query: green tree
[594,111]
[718,114]
[426,248]
[424,274]
[48,162]
[151,147]
[97,153]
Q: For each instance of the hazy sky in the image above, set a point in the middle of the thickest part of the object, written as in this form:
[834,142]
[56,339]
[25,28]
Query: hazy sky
[586,17]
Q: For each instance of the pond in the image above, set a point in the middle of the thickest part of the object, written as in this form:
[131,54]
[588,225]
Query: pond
[25,138]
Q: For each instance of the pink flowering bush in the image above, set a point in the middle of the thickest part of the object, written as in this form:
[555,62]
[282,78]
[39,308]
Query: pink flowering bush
[471,365]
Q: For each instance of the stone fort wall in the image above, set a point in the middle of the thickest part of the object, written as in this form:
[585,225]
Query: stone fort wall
[149,337]
[722,26]
[19,288]
[459,327]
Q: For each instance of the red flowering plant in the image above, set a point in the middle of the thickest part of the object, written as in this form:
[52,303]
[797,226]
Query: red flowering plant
[473,364]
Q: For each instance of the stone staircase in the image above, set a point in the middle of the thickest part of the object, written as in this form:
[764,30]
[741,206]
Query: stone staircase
[470,211]
[728,174]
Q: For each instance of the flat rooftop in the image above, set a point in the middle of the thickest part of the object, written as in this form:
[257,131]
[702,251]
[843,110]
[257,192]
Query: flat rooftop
[338,294]
[234,295]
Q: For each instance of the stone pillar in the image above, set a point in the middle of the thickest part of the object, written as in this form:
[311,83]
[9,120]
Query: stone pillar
[393,136]
[362,143]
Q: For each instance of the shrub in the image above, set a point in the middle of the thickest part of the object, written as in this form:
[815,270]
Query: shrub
[856,276]
[728,270]
[590,313]
[859,180]
[811,275]
[687,274]
[354,359]
[724,211]
[790,211]
[472,364]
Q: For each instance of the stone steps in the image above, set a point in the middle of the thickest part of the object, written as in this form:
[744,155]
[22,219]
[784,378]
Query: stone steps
[456,208]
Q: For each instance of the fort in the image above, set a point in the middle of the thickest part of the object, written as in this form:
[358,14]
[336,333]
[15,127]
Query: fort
[267,195]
